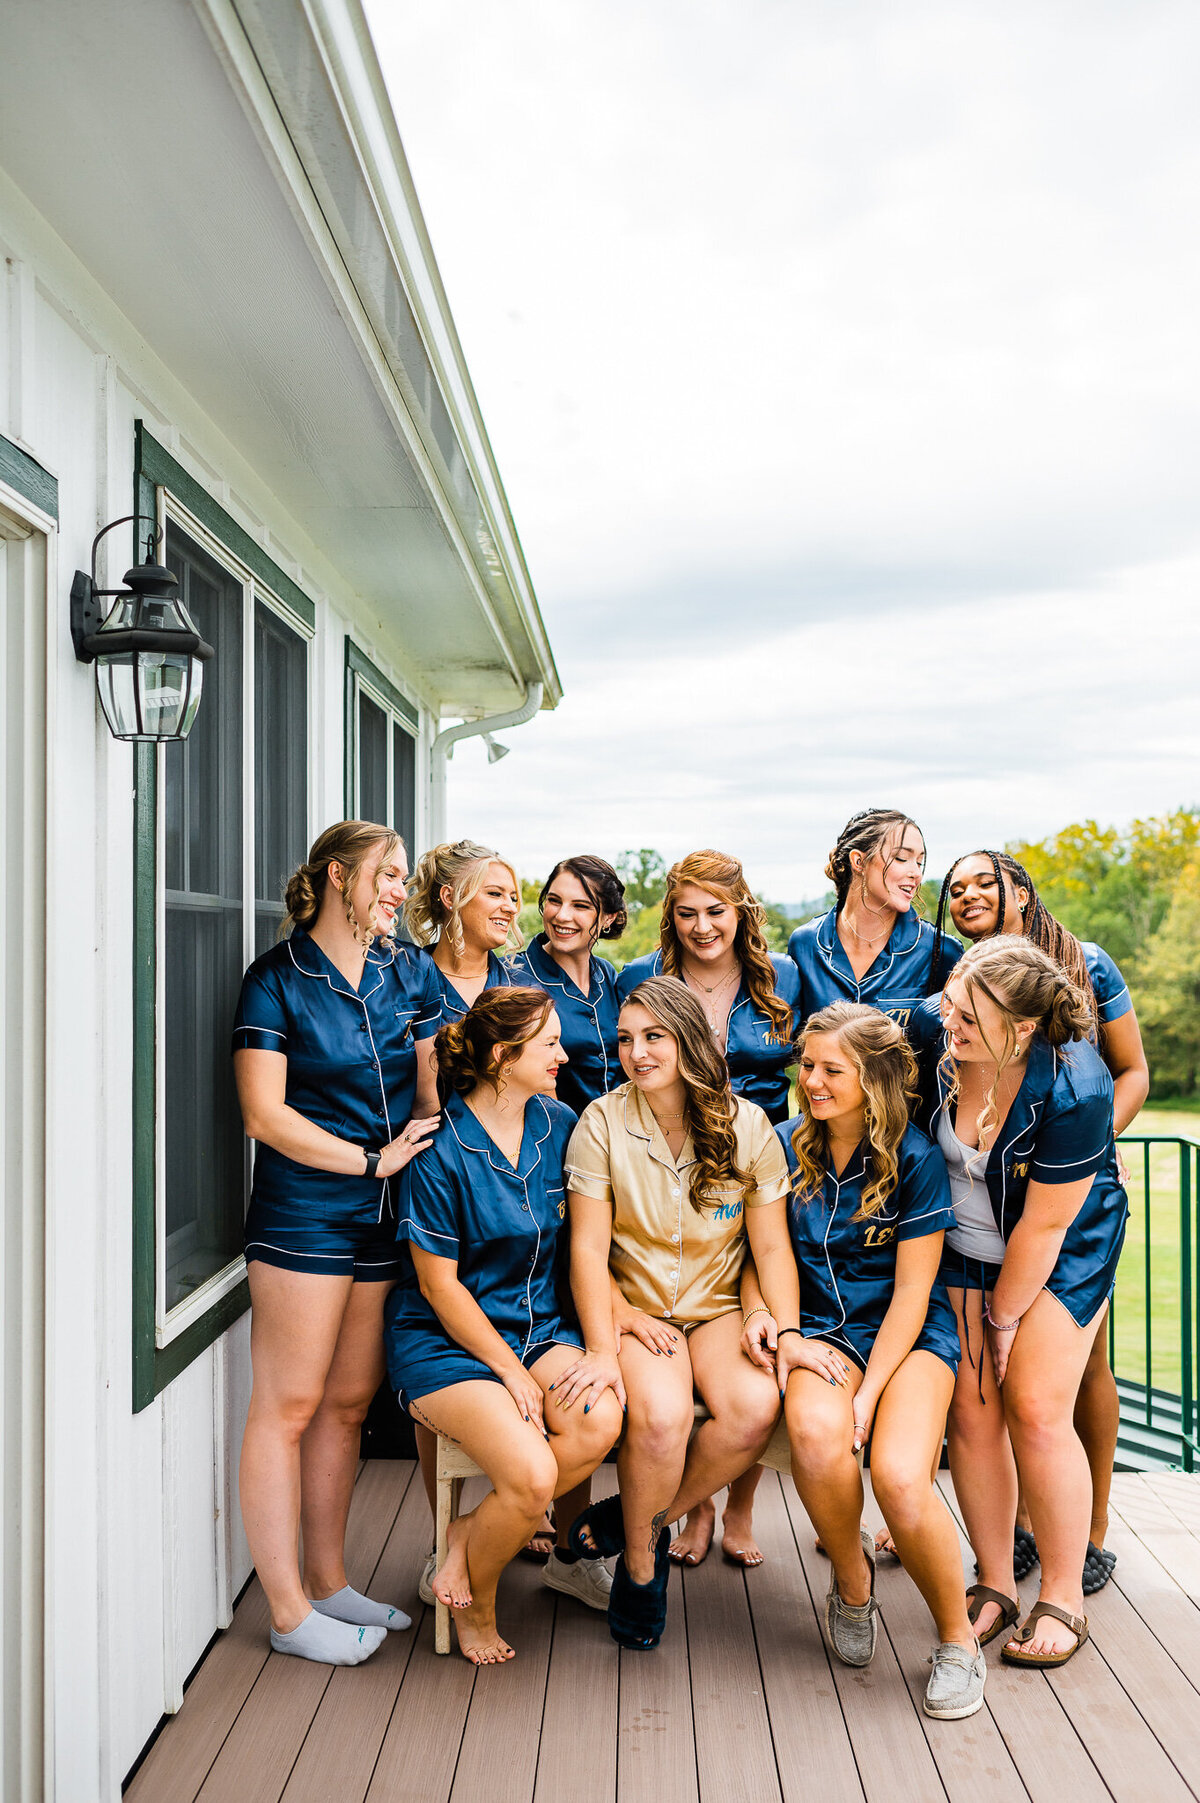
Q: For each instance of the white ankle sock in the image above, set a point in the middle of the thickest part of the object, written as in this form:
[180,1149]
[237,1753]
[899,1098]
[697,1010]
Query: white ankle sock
[349,1605]
[329,1642]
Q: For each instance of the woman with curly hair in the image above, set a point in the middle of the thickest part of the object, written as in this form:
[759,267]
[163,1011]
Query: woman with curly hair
[865,1342]
[1022,1106]
[462,907]
[711,937]
[476,1332]
[659,1174]
[333,1058]
[870,946]
[988,893]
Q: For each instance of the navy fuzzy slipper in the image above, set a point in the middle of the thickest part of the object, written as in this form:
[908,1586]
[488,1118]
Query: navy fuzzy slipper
[637,1613]
[1025,1553]
[605,1523]
[1097,1568]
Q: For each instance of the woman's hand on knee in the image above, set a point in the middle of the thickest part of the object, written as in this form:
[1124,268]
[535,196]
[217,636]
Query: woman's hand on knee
[651,1332]
[795,1353]
[526,1392]
[759,1341]
[588,1378]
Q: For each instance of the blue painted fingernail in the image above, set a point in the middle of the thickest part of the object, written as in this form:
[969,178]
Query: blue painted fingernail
[586,1407]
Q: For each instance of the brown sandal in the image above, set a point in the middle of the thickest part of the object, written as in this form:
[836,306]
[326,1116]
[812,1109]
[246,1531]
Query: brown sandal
[1078,1625]
[978,1596]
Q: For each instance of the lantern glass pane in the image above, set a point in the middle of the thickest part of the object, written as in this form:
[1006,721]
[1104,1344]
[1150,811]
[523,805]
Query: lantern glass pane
[117,688]
[164,684]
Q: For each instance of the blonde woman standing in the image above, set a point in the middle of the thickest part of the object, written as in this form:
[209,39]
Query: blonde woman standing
[332,1054]
[462,907]
[1023,1109]
[865,1342]
[659,1174]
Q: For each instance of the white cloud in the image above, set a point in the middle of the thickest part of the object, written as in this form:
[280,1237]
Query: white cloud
[842,368]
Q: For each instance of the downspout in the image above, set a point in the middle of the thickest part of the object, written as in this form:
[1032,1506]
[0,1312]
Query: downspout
[442,750]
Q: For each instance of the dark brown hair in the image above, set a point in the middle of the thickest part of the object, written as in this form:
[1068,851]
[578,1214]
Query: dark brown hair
[866,832]
[498,1023]
[603,887]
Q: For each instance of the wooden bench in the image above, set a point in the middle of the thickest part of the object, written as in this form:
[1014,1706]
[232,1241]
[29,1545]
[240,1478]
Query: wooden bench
[453,1465]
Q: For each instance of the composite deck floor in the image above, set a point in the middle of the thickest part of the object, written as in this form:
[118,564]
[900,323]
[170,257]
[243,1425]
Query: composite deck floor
[741,1701]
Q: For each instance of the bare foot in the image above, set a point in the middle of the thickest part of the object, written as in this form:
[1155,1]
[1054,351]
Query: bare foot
[479,1639]
[737,1539]
[690,1546]
[541,1544]
[452,1583]
[885,1544]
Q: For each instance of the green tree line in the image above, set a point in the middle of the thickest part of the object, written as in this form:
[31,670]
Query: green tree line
[1135,890]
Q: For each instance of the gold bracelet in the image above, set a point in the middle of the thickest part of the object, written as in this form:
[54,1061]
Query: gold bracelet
[761,1309]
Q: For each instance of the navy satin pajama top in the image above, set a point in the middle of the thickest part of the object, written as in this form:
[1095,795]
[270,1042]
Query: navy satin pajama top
[588,1022]
[898,980]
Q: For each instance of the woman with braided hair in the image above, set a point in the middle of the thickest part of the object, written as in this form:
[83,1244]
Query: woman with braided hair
[1022,1107]
[332,1053]
[871,947]
[987,894]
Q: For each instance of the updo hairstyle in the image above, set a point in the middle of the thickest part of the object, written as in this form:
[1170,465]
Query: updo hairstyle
[866,832]
[462,868]
[474,1050]
[348,843]
[603,887]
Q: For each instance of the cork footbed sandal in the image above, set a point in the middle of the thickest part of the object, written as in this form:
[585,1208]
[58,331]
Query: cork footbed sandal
[978,1596]
[1078,1625]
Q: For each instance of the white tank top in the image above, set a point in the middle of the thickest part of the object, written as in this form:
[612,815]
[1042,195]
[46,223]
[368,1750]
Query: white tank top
[974,1234]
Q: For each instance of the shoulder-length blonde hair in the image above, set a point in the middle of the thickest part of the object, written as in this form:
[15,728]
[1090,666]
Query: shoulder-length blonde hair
[462,868]
[709,1109]
[723,876]
[887,1073]
[1023,983]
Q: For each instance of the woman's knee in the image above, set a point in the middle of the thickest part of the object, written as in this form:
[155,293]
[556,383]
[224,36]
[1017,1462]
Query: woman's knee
[283,1411]
[902,1486]
[660,1422]
[1036,1417]
[819,1437]
[748,1417]
[527,1479]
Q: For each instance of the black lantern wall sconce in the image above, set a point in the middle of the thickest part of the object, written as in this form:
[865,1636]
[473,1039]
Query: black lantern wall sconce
[148,655]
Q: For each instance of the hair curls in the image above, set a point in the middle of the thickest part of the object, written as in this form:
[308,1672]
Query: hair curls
[887,1073]
[709,1108]
[866,832]
[475,1049]
[348,844]
[462,868]
[723,876]
[1023,983]
[603,888]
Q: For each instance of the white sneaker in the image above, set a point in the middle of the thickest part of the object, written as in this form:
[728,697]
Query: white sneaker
[587,1580]
[425,1585]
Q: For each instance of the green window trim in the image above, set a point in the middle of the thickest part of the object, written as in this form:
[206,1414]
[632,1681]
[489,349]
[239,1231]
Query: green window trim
[27,476]
[359,664]
[154,1367]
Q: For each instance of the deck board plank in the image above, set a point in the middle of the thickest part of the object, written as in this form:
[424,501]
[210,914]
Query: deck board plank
[256,1760]
[1156,1526]
[1163,1604]
[420,1749]
[341,1747]
[813,1754]
[735,1757]
[577,1757]
[894,1762]
[656,1744]
[498,1758]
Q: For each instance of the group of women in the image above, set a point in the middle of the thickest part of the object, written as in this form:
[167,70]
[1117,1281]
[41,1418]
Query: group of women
[565,1204]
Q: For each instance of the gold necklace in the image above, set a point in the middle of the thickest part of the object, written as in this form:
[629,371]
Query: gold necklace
[865,938]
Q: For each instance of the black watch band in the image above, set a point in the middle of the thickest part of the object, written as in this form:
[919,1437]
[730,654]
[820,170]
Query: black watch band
[372,1159]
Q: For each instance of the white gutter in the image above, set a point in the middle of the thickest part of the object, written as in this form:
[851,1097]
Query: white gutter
[442,749]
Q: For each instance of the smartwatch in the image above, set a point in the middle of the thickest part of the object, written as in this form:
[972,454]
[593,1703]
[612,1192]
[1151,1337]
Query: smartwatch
[372,1159]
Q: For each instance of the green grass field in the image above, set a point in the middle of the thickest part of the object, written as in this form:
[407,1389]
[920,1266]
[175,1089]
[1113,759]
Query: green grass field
[1129,1308]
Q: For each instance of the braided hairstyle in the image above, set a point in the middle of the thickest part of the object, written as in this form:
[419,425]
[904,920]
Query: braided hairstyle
[866,832]
[603,888]
[1038,925]
[498,1023]
[348,844]
[723,876]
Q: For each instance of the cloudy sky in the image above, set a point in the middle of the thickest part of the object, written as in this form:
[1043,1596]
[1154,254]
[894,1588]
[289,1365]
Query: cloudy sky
[842,367]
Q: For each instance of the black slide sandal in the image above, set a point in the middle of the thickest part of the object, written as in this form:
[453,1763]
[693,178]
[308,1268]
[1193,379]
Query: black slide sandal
[605,1523]
[637,1613]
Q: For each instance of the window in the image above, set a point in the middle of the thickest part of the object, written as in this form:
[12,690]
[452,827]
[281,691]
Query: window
[221,820]
[381,748]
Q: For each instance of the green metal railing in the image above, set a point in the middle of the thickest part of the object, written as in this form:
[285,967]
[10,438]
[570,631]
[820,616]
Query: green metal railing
[1154,1325]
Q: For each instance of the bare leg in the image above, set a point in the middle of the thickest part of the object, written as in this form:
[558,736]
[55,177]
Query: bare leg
[578,1441]
[294,1329]
[690,1546]
[743,1404]
[1045,1369]
[650,1462]
[1098,1422]
[571,1504]
[981,1458]
[329,1449]
[427,1456]
[821,1432]
[484,1420]
[909,1423]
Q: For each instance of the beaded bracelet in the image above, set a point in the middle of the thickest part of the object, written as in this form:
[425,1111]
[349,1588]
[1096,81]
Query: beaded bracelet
[1001,1326]
[762,1309]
